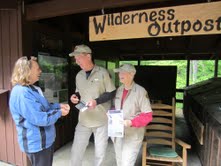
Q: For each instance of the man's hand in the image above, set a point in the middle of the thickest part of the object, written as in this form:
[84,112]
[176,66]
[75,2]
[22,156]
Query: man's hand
[91,104]
[127,123]
[65,108]
[74,99]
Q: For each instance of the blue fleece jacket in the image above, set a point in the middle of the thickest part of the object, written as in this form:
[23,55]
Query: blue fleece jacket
[34,117]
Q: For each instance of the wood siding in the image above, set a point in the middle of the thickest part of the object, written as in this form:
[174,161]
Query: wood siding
[207,111]
[210,153]
[9,151]
[10,44]
[10,51]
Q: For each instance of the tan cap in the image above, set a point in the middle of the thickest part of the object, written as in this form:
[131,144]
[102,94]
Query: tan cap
[125,68]
[79,49]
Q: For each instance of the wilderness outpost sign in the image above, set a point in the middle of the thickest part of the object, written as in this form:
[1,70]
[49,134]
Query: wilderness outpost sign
[197,19]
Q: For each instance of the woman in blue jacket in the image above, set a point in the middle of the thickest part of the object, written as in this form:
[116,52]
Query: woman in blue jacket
[33,115]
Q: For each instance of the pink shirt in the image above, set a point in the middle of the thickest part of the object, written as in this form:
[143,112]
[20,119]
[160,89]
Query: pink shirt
[142,119]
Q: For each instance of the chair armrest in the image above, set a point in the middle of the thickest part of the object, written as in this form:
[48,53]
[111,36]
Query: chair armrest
[183,144]
[144,153]
[185,147]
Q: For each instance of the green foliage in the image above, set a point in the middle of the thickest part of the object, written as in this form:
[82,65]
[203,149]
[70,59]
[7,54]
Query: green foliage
[219,69]
[131,62]
[46,67]
[204,71]
[59,70]
[100,63]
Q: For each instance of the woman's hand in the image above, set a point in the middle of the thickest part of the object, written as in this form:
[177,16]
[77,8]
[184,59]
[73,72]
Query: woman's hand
[127,123]
[65,108]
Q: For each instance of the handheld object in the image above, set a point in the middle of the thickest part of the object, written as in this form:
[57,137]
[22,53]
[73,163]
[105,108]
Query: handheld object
[81,106]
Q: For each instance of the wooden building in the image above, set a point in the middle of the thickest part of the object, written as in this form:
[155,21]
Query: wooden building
[192,30]
[202,110]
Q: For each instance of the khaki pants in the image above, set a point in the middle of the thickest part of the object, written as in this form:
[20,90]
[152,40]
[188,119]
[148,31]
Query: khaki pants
[81,140]
[126,151]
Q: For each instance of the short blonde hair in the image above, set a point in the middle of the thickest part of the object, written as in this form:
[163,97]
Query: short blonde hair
[22,71]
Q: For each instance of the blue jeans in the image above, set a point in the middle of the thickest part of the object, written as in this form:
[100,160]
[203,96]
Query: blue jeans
[42,158]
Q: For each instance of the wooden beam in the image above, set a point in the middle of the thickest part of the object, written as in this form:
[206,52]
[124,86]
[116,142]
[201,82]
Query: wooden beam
[117,3]
[55,8]
[8,5]
[188,73]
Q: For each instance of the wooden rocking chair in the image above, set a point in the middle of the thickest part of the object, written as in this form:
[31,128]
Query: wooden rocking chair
[159,142]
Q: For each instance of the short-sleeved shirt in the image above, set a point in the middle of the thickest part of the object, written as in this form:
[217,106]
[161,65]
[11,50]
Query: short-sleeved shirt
[136,102]
[98,82]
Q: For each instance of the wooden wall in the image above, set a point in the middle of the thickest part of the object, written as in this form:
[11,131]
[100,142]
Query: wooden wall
[10,51]
[202,100]
[9,151]
[15,41]
[211,151]
[10,44]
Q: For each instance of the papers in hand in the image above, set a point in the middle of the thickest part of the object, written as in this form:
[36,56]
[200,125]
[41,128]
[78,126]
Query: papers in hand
[115,123]
[81,106]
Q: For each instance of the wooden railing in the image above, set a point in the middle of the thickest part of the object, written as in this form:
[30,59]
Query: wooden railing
[9,151]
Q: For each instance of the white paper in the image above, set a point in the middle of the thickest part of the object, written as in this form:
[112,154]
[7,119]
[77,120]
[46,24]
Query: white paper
[115,123]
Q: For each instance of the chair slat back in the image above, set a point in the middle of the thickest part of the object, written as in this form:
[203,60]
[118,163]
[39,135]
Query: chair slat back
[161,131]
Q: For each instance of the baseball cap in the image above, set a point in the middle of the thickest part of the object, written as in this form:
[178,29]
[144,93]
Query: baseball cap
[79,49]
[125,68]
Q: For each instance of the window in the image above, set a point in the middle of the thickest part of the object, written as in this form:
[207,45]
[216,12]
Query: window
[201,70]
[53,80]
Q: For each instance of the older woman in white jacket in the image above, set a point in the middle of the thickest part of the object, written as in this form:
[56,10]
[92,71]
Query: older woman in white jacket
[133,100]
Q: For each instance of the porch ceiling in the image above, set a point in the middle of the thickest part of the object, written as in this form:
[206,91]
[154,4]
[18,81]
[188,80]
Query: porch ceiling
[73,16]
